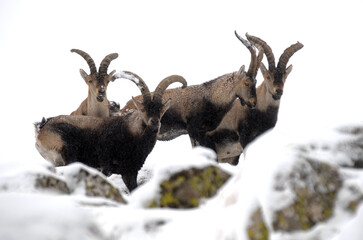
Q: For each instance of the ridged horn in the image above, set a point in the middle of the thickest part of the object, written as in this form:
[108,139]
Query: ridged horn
[89,60]
[253,64]
[106,62]
[259,59]
[266,48]
[287,54]
[159,91]
[138,81]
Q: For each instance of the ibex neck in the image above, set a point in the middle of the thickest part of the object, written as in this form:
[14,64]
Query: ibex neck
[223,91]
[96,108]
[264,98]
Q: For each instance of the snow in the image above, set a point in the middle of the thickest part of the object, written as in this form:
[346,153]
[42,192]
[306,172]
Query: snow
[129,76]
[40,78]
[35,216]
[222,217]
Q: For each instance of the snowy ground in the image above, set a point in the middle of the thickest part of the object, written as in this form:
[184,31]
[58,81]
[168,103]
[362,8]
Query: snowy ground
[49,215]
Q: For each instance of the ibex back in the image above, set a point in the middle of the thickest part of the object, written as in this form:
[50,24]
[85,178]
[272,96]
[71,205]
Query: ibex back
[198,109]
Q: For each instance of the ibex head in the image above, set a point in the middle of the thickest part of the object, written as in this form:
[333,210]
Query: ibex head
[275,77]
[247,89]
[152,108]
[97,81]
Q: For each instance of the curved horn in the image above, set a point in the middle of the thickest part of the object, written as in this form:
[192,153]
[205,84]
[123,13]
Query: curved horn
[138,81]
[106,62]
[287,54]
[266,48]
[159,91]
[87,57]
[253,63]
[259,59]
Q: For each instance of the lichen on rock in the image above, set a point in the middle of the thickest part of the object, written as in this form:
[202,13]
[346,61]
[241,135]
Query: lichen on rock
[51,183]
[257,229]
[89,182]
[315,185]
[97,186]
[186,188]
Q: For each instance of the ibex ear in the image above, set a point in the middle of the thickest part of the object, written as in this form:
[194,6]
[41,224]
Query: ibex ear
[263,68]
[288,70]
[83,74]
[139,106]
[241,70]
[166,106]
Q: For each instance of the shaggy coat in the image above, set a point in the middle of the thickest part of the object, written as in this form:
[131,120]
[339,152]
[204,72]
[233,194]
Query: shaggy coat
[198,109]
[117,144]
[242,125]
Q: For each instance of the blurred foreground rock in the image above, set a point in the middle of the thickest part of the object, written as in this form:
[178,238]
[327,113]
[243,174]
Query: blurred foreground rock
[81,178]
[325,181]
[315,185]
[187,188]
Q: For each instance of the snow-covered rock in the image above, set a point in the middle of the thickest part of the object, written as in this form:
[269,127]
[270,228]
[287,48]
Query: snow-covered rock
[288,186]
[298,186]
[84,180]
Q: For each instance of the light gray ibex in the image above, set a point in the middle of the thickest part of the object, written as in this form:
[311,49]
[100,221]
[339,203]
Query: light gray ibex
[96,104]
[242,125]
[197,109]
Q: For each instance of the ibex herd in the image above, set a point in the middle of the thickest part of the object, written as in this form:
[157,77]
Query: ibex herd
[224,114]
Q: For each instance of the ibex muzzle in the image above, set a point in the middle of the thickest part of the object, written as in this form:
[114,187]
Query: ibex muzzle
[101,93]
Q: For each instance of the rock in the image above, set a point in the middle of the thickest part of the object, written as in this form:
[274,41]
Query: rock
[315,185]
[91,182]
[51,183]
[354,146]
[257,229]
[185,189]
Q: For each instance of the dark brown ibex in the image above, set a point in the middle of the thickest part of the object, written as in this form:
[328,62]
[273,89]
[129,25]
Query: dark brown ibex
[96,104]
[242,125]
[197,109]
[115,144]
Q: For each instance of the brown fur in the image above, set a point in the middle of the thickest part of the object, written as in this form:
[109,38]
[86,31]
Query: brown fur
[245,122]
[96,104]
[184,102]
[200,108]
[114,144]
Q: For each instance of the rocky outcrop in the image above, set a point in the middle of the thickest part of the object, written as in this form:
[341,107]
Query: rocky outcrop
[49,182]
[257,230]
[320,180]
[187,188]
[81,178]
[315,185]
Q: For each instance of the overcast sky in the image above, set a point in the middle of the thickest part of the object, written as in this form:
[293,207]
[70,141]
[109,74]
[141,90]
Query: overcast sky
[195,39]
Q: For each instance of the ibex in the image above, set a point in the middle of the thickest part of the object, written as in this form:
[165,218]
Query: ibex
[96,104]
[242,125]
[117,145]
[197,109]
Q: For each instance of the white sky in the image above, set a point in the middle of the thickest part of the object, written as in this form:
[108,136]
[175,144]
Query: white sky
[40,76]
